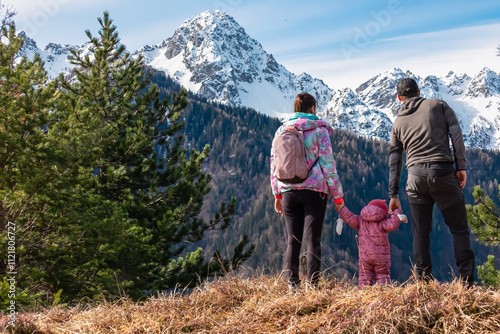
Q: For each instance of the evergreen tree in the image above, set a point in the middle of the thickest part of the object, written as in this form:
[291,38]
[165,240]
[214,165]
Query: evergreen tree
[485,223]
[124,197]
[139,165]
[31,163]
[25,100]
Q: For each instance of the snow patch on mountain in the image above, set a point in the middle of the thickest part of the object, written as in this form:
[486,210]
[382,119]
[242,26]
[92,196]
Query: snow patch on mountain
[486,84]
[346,111]
[54,55]
[475,100]
[212,55]
[380,91]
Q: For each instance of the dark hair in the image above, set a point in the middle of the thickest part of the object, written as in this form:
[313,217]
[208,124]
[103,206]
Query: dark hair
[303,102]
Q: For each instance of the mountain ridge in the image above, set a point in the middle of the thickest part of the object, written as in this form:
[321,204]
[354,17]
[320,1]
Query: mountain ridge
[212,55]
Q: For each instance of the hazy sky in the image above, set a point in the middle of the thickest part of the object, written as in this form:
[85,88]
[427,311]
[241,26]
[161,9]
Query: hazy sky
[344,43]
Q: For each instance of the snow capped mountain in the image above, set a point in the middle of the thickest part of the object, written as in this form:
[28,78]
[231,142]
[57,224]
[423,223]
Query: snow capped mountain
[478,109]
[213,56]
[380,91]
[485,84]
[54,55]
[476,101]
[346,111]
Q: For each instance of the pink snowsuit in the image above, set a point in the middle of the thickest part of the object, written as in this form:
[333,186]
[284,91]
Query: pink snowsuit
[374,247]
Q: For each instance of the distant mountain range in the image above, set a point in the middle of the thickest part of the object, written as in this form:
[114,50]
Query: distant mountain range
[212,55]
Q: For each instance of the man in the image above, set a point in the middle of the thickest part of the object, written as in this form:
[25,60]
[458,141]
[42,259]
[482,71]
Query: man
[423,128]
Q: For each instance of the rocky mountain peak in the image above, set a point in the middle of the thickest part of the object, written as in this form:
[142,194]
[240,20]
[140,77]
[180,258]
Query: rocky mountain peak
[29,45]
[456,83]
[485,84]
[346,111]
[58,49]
[212,55]
[380,91]
[210,33]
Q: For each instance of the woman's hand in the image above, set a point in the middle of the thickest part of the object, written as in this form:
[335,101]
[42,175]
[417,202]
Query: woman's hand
[278,206]
[339,206]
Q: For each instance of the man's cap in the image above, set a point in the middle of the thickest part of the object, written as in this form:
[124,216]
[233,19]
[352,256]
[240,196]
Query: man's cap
[407,86]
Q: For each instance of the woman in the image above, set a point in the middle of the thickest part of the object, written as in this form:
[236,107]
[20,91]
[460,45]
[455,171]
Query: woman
[303,204]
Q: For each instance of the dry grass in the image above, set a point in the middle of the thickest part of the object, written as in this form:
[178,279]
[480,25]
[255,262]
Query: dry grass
[264,305]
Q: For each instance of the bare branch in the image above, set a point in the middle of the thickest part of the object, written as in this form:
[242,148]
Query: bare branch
[6,14]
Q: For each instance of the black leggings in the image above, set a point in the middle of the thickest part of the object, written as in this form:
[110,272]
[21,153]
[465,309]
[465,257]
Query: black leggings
[304,212]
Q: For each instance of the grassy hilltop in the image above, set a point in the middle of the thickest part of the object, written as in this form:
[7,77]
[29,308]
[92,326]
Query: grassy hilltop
[264,305]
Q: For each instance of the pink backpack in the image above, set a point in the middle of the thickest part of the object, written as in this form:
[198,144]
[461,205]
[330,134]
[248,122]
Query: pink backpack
[289,162]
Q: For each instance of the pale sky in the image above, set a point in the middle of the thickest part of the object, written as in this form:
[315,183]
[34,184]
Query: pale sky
[344,43]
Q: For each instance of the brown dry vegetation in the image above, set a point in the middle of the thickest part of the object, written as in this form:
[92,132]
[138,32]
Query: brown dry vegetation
[264,305]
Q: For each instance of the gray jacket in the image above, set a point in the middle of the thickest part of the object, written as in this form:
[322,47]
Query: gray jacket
[422,128]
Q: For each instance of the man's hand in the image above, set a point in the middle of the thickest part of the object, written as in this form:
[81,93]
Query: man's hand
[394,204]
[462,178]
[278,206]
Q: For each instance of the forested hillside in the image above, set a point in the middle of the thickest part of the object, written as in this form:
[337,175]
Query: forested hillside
[239,163]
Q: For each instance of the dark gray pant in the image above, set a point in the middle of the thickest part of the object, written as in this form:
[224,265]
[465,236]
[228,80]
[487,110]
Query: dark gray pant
[437,183]
[304,212]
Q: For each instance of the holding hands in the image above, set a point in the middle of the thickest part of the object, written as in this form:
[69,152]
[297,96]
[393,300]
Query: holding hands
[278,206]
[396,204]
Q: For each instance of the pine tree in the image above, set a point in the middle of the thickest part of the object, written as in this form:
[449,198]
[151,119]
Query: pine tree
[139,164]
[118,197]
[25,101]
[32,165]
[484,220]
[140,167]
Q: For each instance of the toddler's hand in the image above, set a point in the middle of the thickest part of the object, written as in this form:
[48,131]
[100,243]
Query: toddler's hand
[339,206]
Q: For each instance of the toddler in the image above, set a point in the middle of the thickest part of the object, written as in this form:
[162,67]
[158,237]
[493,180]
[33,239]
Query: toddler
[374,226]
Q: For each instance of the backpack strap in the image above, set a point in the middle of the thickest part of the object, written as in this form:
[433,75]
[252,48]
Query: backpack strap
[314,164]
[292,129]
